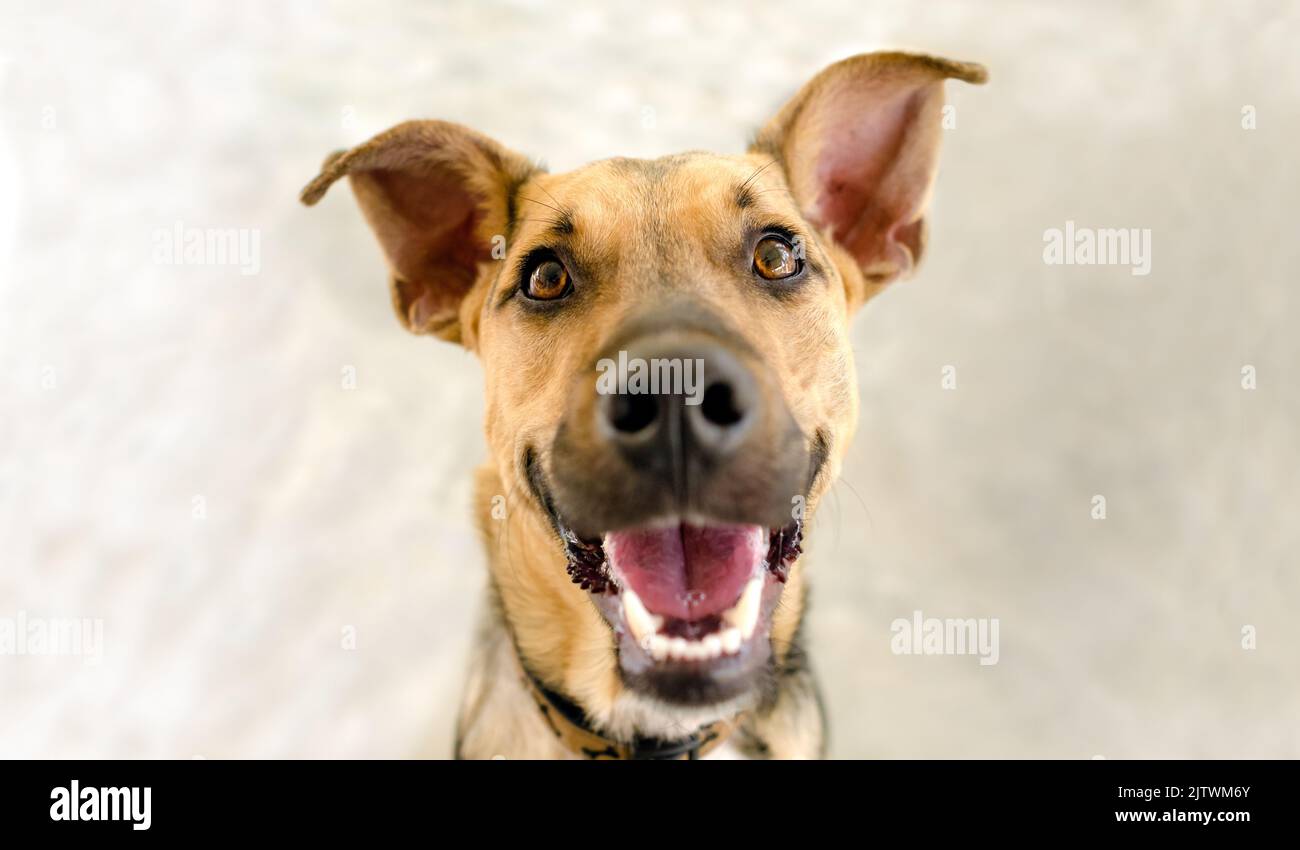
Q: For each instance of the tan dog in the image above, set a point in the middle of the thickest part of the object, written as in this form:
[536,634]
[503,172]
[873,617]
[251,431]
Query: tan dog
[670,391]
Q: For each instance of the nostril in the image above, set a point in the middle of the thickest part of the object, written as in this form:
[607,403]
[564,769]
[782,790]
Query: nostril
[719,406]
[630,413]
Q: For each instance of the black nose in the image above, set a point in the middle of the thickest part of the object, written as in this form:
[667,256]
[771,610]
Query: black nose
[677,402]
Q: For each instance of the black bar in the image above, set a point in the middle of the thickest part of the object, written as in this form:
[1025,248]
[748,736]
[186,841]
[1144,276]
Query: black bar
[240,799]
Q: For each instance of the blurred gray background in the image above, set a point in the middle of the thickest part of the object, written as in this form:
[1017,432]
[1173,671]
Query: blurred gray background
[180,458]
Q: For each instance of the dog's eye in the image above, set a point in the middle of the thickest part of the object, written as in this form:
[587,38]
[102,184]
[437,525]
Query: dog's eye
[774,258]
[548,281]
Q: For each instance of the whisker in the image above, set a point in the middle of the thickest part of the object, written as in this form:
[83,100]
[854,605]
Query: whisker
[758,171]
[871,521]
[549,195]
[544,204]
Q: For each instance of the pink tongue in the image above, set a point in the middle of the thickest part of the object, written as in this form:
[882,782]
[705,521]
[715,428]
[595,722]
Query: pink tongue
[686,571]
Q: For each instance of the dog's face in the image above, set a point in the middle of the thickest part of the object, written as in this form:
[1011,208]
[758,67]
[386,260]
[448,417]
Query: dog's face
[678,496]
[670,386]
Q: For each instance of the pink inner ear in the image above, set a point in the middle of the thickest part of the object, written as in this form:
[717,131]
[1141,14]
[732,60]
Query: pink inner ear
[436,298]
[427,225]
[422,305]
[873,173]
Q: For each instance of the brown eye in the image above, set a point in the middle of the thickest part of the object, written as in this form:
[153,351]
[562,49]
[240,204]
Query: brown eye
[548,281]
[774,258]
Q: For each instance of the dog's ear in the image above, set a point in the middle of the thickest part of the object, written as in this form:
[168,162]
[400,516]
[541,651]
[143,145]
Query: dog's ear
[435,194]
[860,146]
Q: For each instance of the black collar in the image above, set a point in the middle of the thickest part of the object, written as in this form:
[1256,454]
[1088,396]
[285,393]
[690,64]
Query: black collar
[569,723]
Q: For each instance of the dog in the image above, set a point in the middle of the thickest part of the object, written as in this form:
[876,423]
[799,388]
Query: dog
[643,537]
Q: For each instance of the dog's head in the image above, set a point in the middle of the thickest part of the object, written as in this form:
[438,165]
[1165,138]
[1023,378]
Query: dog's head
[669,380]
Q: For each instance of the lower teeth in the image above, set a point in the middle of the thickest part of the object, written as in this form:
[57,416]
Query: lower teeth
[662,648]
[738,624]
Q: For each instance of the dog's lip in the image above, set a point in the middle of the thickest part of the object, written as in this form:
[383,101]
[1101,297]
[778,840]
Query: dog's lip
[588,567]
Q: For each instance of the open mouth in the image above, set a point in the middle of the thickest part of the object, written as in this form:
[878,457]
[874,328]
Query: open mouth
[685,598]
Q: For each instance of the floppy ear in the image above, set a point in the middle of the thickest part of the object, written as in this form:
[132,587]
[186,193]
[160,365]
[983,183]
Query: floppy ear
[435,194]
[860,146]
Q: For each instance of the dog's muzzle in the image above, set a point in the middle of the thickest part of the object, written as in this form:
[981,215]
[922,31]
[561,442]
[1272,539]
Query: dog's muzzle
[679,496]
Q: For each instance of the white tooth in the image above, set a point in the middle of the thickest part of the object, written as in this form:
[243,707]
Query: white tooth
[639,620]
[744,615]
[731,640]
[677,648]
[712,646]
[658,647]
